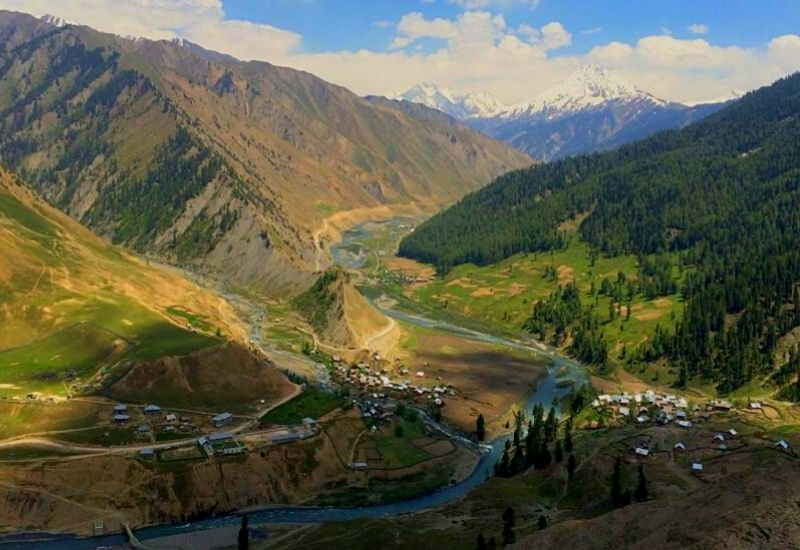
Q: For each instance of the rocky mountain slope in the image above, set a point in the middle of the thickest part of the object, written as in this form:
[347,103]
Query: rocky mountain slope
[206,161]
[592,110]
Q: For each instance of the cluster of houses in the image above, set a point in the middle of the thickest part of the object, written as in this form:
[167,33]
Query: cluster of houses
[379,383]
[663,408]
[167,422]
[307,428]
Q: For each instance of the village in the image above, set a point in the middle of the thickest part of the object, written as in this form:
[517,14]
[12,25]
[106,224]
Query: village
[691,431]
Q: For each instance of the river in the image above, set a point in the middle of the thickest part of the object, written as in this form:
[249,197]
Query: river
[559,371]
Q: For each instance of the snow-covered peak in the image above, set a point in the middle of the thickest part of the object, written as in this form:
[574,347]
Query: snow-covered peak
[733,95]
[53,20]
[460,106]
[590,86]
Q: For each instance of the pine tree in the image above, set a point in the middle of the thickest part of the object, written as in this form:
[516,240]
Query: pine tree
[491,544]
[480,428]
[616,490]
[568,435]
[542,523]
[570,467]
[509,537]
[641,488]
[559,451]
[481,545]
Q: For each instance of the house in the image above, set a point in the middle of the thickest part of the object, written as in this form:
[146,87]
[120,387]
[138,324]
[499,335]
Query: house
[120,409]
[723,405]
[277,439]
[783,445]
[144,429]
[309,423]
[147,454]
[206,446]
[152,409]
[220,437]
[697,467]
[679,447]
[420,374]
[642,419]
[755,405]
[171,417]
[169,429]
[624,411]
[732,432]
[642,451]
[722,448]
[684,423]
[719,437]
[681,415]
[121,418]
[222,419]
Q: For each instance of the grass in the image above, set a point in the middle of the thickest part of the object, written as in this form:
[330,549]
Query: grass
[31,453]
[192,452]
[503,294]
[287,338]
[96,436]
[50,364]
[197,320]
[399,452]
[311,403]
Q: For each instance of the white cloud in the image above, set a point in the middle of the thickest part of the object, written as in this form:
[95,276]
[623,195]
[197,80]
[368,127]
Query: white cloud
[495,4]
[474,50]
[698,28]
[201,21]
[594,30]
[666,30]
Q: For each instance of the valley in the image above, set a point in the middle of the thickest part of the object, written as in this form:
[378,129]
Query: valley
[234,293]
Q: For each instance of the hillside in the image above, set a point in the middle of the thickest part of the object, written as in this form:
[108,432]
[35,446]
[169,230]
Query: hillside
[715,201]
[71,303]
[206,161]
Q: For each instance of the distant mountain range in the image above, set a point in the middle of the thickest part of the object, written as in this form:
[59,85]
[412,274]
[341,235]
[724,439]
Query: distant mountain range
[592,110]
[220,165]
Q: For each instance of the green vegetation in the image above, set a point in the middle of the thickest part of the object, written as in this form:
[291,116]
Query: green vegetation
[311,403]
[54,363]
[104,436]
[315,303]
[397,451]
[29,452]
[720,196]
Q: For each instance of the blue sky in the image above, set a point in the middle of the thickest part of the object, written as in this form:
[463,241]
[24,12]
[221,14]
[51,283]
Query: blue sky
[679,49]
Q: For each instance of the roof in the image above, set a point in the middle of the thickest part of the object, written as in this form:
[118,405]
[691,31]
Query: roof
[697,467]
[732,431]
[782,443]
[144,428]
[309,420]
[146,452]
[152,408]
[279,438]
[202,441]
[222,417]
[680,446]
[719,437]
[121,417]
[120,407]
[224,436]
[642,451]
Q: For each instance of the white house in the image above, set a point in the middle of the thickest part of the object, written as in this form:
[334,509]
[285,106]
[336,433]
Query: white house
[680,447]
[624,411]
[782,444]
[684,423]
[755,405]
[719,437]
[733,433]
[642,451]
[697,467]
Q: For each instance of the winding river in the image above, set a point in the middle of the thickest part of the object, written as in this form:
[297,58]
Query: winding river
[561,374]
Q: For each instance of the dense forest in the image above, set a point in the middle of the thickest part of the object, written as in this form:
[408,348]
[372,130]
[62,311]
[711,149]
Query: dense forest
[722,195]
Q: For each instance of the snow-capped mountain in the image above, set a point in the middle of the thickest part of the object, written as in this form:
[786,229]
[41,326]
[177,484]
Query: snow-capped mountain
[592,110]
[53,20]
[462,107]
[733,95]
[587,88]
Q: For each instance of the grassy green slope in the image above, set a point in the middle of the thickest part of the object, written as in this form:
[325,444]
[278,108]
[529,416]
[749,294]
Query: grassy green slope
[72,303]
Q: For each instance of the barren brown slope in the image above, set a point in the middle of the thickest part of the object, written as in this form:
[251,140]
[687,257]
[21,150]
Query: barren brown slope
[214,163]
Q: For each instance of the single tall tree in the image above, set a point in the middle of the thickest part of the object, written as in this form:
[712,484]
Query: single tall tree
[616,490]
[481,542]
[509,537]
[542,522]
[640,495]
[244,534]
[480,427]
[570,467]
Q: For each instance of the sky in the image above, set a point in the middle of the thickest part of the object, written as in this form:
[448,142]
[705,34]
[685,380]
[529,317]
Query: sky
[679,50]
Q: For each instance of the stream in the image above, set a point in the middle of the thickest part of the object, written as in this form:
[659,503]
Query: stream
[562,374]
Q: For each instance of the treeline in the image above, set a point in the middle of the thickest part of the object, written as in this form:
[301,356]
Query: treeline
[722,195]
